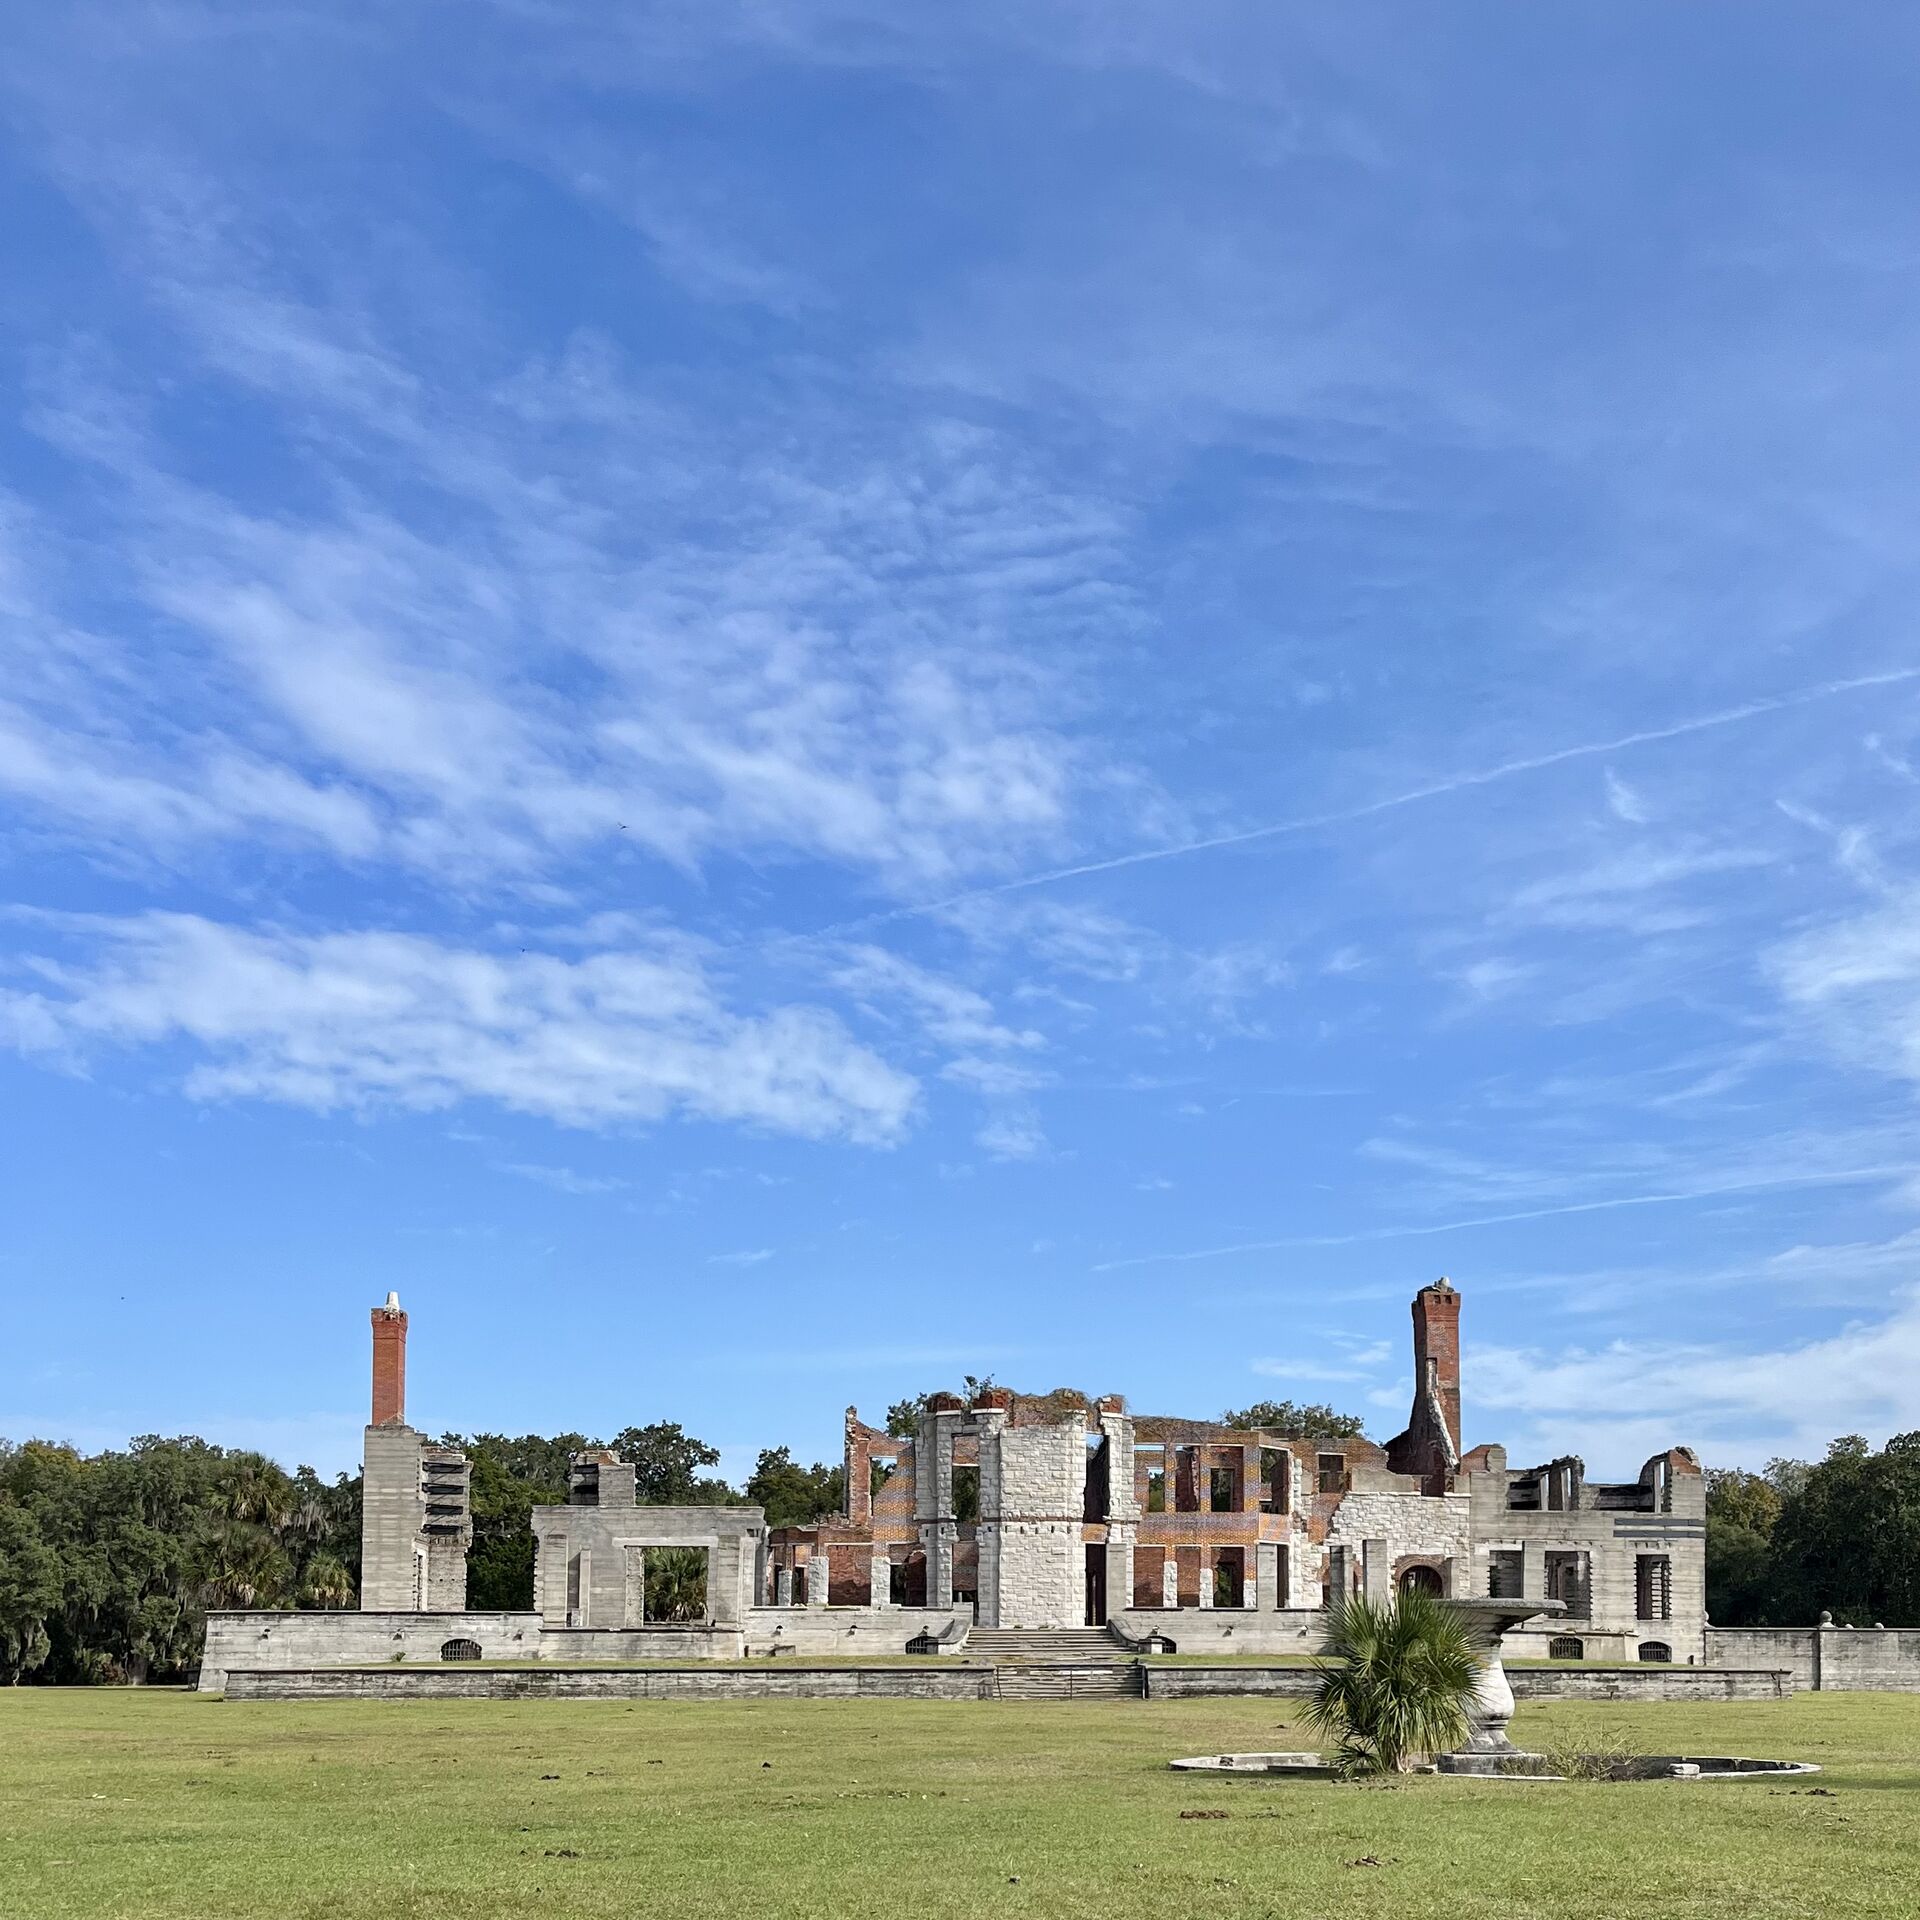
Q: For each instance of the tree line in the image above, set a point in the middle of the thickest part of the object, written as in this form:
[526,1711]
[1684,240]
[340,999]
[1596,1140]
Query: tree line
[109,1562]
[1839,1536]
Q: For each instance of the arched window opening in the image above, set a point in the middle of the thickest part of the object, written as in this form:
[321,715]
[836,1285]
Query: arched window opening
[460,1650]
[1566,1647]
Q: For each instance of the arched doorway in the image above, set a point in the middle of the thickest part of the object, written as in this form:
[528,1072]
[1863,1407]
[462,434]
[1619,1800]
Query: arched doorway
[1423,1580]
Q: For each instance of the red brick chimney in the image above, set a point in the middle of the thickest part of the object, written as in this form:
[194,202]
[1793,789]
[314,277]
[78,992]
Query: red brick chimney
[1436,1337]
[389,1364]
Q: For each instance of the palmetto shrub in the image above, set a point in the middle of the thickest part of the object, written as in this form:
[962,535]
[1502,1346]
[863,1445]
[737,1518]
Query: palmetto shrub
[1395,1680]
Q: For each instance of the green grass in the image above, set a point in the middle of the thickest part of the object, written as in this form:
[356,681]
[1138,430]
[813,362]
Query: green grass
[163,1805]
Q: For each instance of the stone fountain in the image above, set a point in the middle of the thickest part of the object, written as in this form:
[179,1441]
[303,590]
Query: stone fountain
[1487,1748]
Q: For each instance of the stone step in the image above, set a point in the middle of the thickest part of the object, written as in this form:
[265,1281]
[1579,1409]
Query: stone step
[1044,1644]
[1061,1680]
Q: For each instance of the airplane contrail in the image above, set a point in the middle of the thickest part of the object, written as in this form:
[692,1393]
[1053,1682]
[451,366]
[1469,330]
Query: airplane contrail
[1456,783]
[1850,1176]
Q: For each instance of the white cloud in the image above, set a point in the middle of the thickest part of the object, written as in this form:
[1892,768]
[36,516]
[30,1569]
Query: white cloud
[374,1020]
[953,1015]
[564,1179]
[1624,802]
[1733,1405]
[749,1257]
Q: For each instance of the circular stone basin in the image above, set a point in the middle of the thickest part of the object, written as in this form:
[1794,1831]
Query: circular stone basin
[1308,1765]
[1661,1766]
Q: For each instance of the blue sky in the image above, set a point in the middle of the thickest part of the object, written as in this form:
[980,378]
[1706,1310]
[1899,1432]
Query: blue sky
[774,701]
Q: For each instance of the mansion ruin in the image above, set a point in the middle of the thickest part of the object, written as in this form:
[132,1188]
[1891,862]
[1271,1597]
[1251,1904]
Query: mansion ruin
[1046,1514]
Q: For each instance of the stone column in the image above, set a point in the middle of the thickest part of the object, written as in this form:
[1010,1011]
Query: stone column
[633,1610]
[1533,1571]
[783,1586]
[880,1579]
[817,1579]
[1170,1580]
[1266,1561]
[1119,1569]
[1376,1570]
[1206,1577]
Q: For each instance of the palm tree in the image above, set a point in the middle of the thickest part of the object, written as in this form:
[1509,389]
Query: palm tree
[1395,1683]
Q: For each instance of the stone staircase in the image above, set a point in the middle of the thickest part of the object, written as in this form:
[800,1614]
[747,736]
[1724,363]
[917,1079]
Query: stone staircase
[1056,1663]
[1031,1645]
[1060,1680]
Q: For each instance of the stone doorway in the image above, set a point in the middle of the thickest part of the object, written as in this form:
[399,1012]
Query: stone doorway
[1096,1613]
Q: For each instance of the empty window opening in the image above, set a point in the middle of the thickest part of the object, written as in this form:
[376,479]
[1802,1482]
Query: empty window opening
[1656,1653]
[966,1495]
[1221,1490]
[1333,1473]
[1186,1480]
[1423,1580]
[460,1650]
[1338,1581]
[1506,1573]
[1276,1480]
[1565,1647]
[1652,1587]
[1094,1504]
[1569,1583]
[1229,1580]
[879,1472]
[677,1584]
[1157,1490]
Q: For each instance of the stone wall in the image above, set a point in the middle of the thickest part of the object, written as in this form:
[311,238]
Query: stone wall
[844,1630]
[237,1641]
[1227,1629]
[1033,1488]
[1826,1659]
[1634,1683]
[936,1680]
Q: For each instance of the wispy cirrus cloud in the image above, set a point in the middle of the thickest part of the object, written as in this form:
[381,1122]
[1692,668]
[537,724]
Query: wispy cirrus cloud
[372,1021]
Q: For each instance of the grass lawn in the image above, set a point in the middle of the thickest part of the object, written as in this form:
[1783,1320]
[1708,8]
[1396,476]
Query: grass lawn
[161,1804]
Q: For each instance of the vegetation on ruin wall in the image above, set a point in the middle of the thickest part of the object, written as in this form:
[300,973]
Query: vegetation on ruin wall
[176,1807]
[1842,1536]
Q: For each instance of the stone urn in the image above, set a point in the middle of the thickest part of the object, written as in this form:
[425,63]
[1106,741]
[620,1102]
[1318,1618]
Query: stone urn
[1487,1748]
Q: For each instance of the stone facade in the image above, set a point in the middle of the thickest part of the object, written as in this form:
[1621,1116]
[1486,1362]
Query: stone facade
[1033,1512]
[1061,1510]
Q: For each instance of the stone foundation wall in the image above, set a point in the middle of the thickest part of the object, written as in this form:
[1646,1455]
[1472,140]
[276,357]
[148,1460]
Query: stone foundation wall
[1826,1659]
[937,1680]
[1228,1629]
[1634,1683]
[237,1641]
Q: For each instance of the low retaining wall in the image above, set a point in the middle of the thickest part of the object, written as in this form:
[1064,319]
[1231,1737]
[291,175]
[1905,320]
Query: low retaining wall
[1826,1659]
[1649,1683]
[285,1642]
[1528,1683]
[1228,1629]
[937,1680]
[236,1641]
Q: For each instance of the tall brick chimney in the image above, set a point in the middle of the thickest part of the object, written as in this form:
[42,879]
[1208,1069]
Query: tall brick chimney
[389,1364]
[1436,1337]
